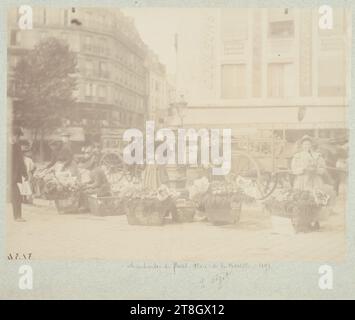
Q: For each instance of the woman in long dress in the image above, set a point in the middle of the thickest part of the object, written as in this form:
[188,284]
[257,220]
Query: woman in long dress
[309,167]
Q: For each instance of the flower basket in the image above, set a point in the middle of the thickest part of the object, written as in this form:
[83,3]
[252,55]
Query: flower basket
[106,206]
[300,207]
[148,212]
[67,205]
[304,215]
[59,188]
[223,208]
[282,208]
[185,210]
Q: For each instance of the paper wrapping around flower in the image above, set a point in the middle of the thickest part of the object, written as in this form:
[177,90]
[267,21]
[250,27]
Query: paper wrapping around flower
[199,187]
[59,185]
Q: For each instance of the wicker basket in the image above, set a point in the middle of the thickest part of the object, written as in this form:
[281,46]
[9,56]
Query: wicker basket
[280,209]
[138,213]
[222,208]
[106,206]
[225,215]
[299,216]
[68,205]
[185,210]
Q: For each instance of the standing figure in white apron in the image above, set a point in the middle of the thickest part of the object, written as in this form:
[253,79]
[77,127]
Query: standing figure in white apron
[309,167]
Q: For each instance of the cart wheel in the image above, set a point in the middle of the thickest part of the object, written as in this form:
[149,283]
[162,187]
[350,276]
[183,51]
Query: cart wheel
[268,183]
[116,169]
[247,167]
[113,166]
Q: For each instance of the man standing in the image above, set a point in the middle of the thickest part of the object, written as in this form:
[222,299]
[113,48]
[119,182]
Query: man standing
[18,172]
[66,154]
[30,169]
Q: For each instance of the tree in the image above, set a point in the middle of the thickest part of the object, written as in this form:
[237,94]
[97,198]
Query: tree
[44,83]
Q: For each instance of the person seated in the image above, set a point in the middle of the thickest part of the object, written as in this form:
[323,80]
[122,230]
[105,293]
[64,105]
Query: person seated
[97,183]
[88,158]
[62,152]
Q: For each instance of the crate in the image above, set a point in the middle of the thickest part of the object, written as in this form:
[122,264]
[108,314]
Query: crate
[106,206]
[68,205]
[226,215]
[185,210]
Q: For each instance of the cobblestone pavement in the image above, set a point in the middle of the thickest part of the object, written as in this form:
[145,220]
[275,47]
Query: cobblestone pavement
[49,235]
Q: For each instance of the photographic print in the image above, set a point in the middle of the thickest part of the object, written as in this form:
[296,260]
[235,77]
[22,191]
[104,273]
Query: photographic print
[177,138]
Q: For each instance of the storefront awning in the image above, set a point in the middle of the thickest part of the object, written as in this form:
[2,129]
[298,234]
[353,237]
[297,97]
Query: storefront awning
[264,117]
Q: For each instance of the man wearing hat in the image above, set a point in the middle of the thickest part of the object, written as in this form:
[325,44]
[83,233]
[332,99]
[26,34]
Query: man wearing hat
[30,168]
[18,173]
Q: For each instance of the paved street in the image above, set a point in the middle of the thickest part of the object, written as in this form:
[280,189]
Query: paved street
[49,235]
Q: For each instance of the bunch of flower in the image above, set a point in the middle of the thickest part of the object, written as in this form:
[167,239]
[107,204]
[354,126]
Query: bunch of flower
[40,172]
[224,187]
[126,189]
[249,187]
[151,201]
[293,202]
[222,195]
[321,198]
[60,187]
[198,188]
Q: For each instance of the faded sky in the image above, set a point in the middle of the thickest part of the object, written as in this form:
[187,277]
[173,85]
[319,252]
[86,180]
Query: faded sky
[158,26]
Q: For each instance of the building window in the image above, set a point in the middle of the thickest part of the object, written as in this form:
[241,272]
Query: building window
[89,68]
[44,16]
[102,42]
[281,29]
[39,16]
[89,90]
[88,40]
[102,93]
[88,43]
[281,80]
[119,96]
[233,81]
[331,77]
[116,95]
[281,23]
[157,86]
[103,71]
[65,17]
[14,37]
[102,21]
[13,61]
[87,18]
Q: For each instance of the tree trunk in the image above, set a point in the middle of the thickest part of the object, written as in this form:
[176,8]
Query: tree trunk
[35,141]
[41,145]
